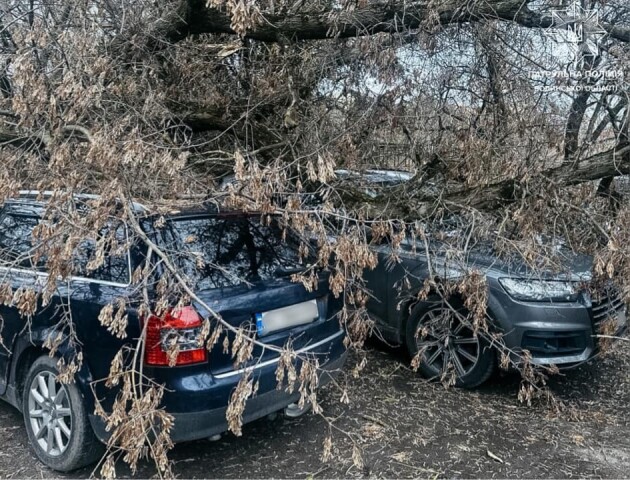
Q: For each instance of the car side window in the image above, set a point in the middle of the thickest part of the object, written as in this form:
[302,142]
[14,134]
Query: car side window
[18,251]
[16,246]
[115,265]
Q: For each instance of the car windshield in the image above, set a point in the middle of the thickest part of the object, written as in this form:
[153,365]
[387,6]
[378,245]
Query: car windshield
[225,251]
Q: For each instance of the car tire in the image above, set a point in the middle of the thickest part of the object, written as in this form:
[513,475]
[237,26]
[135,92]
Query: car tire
[470,356]
[56,421]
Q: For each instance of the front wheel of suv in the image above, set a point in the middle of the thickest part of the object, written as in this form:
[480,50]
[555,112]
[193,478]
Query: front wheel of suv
[56,419]
[442,336]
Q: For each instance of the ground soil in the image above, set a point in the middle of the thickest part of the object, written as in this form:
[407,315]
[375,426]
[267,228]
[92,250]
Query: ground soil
[407,427]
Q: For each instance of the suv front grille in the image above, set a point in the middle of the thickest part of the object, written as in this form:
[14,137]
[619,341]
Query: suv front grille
[606,307]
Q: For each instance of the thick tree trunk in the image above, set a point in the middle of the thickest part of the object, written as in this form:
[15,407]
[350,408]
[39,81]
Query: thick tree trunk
[611,163]
[574,123]
[195,17]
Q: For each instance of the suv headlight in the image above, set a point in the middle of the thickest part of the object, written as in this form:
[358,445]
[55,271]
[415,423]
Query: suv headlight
[540,290]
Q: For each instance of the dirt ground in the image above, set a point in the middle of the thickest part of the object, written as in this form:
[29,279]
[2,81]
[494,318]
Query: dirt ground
[407,427]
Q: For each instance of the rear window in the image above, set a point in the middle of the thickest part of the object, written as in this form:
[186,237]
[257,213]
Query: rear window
[217,252]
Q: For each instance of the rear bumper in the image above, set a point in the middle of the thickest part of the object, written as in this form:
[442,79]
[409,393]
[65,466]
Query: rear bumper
[188,399]
[197,425]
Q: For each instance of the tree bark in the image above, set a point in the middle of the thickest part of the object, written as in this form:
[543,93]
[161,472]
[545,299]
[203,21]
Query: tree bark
[194,17]
[611,163]
[574,123]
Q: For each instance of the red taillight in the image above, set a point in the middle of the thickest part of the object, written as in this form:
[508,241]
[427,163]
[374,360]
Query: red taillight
[180,327]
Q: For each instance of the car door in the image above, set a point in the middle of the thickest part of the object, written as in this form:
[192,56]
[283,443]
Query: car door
[91,289]
[394,281]
[377,282]
[16,271]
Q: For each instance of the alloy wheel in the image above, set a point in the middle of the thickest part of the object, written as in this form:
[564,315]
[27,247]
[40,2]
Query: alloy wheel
[49,413]
[443,339]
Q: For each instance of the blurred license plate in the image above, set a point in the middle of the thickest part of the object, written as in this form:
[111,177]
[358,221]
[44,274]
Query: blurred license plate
[286,317]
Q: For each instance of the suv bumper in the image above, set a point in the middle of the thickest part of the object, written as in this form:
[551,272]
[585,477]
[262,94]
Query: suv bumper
[553,333]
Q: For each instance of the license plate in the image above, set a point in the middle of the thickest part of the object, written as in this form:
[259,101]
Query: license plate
[286,317]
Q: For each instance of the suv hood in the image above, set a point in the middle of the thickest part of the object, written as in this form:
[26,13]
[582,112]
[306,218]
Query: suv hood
[568,265]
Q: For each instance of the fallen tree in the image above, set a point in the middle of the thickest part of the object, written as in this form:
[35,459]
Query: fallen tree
[163,102]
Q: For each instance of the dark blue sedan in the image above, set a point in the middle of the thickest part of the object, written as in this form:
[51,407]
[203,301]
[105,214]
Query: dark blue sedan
[237,265]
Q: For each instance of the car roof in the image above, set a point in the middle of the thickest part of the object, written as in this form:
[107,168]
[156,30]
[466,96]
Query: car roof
[40,197]
[37,198]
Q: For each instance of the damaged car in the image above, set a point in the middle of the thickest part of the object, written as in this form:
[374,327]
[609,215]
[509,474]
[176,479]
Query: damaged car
[552,319]
[236,265]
